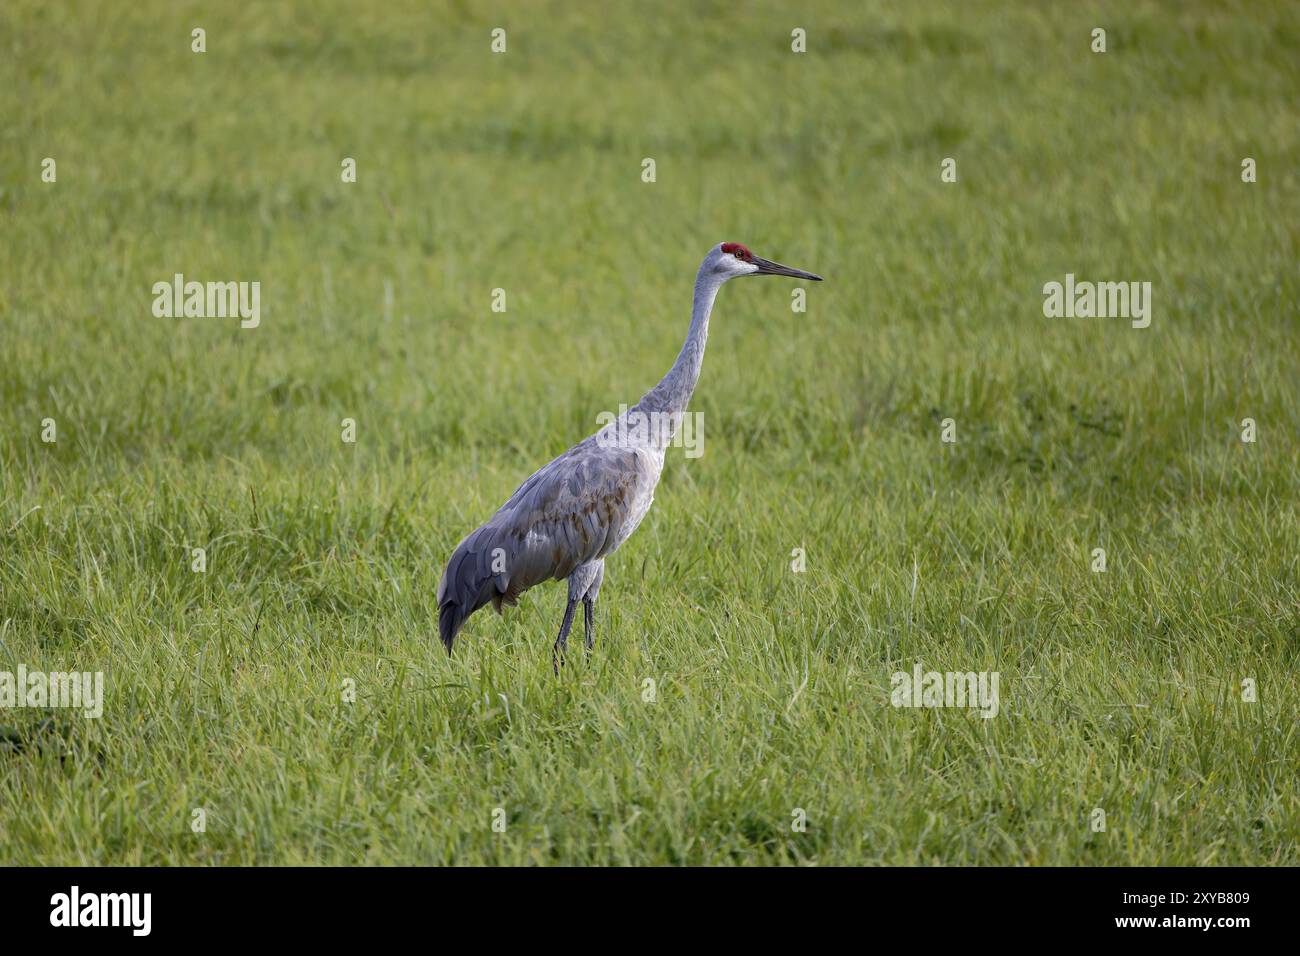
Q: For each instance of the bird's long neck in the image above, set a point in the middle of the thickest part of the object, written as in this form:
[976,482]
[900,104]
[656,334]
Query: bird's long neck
[674,390]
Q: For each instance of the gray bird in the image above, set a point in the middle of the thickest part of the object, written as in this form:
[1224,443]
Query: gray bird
[574,512]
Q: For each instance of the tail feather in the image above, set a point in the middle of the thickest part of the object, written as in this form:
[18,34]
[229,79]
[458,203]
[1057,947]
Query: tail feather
[451,618]
[467,585]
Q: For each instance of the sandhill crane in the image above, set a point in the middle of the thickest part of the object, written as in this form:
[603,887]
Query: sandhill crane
[565,519]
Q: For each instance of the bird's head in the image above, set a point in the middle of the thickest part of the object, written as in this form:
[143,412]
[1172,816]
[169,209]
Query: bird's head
[731,259]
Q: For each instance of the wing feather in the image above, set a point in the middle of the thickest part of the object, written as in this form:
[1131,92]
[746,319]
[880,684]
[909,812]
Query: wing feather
[567,513]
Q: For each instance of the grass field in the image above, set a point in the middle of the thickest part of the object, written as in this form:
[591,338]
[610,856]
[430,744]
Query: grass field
[227,690]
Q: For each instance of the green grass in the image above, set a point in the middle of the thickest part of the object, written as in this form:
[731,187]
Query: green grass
[1119,691]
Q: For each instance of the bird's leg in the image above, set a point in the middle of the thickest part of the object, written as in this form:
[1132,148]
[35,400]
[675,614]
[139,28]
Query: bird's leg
[589,622]
[562,641]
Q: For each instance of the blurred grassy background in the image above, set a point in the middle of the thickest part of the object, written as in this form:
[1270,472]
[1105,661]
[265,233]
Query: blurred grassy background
[522,171]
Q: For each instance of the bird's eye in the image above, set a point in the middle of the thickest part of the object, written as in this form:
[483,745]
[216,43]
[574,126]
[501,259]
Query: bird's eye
[738,254]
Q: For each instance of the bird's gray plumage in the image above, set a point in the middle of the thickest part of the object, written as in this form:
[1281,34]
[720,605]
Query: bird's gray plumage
[566,515]
[569,515]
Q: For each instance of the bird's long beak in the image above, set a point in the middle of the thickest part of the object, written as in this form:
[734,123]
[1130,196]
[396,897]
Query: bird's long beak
[766,267]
